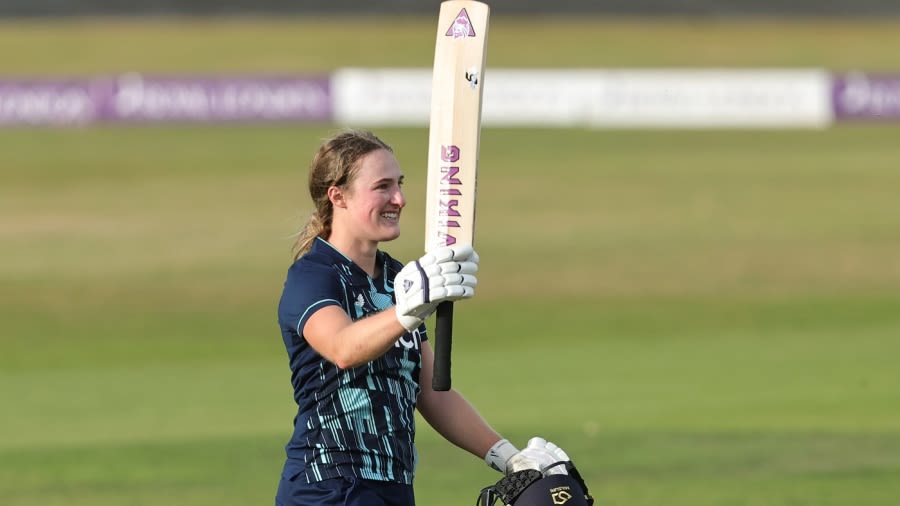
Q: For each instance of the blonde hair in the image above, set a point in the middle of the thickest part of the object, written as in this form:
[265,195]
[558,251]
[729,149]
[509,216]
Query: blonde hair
[334,164]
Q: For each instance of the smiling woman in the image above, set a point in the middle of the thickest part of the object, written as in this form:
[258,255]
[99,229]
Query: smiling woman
[359,369]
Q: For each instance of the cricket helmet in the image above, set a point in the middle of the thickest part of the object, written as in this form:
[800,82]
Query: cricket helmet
[532,488]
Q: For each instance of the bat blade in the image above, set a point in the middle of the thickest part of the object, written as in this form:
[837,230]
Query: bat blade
[453,142]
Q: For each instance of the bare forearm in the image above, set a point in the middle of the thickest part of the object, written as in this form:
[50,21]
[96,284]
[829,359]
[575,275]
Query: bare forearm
[349,344]
[454,418]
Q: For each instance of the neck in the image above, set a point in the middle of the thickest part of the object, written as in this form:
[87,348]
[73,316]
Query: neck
[361,252]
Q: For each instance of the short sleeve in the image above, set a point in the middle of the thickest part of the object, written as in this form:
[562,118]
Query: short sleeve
[307,289]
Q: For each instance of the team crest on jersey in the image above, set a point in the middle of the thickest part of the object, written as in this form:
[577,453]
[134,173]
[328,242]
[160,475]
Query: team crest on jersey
[360,305]
[461,27]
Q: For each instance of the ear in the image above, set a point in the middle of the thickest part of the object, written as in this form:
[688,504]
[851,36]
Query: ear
[336,196]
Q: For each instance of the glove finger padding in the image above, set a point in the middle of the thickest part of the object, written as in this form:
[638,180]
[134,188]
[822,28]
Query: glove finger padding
[464,252]
[461,253]
[467,280]
[451,267]
[554,452]
[536,442]
[453,292]
[541,455]
[468,267]
[559,452]
[441,269]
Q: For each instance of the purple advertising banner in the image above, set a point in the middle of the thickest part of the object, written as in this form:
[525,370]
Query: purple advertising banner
[137,98]
[140,98]
[866,97]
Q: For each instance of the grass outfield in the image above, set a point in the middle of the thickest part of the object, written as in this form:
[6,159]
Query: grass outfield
[700,318]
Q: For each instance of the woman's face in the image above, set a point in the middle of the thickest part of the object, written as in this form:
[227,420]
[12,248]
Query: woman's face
[374,199]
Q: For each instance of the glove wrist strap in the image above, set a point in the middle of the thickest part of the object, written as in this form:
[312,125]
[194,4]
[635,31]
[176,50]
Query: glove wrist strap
[499,454]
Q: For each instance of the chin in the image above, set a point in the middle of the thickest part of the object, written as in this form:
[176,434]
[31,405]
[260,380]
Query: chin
[390,236]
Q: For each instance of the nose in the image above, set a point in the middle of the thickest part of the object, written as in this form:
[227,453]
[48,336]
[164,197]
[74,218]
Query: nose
[398,198]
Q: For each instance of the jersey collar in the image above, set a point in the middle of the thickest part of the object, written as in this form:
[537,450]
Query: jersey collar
[348,266]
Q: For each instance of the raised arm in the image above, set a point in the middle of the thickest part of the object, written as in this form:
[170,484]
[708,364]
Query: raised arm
[446,274]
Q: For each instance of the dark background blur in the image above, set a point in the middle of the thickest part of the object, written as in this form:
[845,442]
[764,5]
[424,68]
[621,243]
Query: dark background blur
[547,7]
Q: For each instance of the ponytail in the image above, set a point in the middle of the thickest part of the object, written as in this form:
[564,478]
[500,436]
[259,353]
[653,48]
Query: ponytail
[315,227]
[334,164]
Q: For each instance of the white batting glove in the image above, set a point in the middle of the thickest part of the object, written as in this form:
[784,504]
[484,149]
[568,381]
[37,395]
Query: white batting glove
[539,455]
[444,274]
[561,456]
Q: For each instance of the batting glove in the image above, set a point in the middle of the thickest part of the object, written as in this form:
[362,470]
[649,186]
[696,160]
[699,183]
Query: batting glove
[561,458]
[444,274]
[539,455]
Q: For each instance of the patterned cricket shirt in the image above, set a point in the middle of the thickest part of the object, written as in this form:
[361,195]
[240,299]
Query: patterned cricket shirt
[358,421]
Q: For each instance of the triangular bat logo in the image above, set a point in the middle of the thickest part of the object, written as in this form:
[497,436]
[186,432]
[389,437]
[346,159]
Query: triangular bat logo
[461,27]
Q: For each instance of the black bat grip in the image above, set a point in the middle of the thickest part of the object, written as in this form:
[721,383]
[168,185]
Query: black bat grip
[443,333]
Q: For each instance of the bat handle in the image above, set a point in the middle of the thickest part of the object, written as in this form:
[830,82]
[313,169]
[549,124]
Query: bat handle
[443,329]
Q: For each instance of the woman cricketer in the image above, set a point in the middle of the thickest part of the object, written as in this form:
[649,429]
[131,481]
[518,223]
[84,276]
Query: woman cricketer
[351,317]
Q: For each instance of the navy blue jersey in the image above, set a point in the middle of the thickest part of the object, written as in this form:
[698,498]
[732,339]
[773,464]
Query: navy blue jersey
[358,421]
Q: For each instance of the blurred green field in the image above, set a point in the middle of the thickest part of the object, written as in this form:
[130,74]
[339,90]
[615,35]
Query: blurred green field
[699,317]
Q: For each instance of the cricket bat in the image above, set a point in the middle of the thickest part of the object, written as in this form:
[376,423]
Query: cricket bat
[454,132]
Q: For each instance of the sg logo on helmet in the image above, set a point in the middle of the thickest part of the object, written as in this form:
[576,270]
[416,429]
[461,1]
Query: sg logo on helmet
[560,495]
